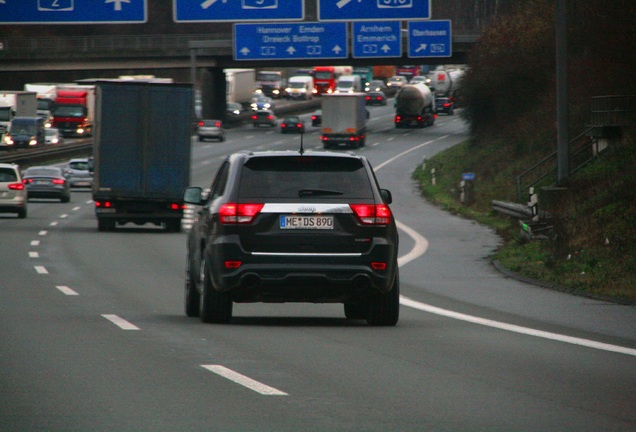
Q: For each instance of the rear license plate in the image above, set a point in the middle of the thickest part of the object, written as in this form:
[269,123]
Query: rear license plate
[306,222]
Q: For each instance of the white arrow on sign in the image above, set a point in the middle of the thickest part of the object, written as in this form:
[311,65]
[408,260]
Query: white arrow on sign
[385,48]
[343,3]
[336,49]
[245,51]
[422,47]
[291,50]
[207,3]
[117,3]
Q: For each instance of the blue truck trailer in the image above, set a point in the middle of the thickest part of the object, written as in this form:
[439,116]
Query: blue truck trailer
[141,153]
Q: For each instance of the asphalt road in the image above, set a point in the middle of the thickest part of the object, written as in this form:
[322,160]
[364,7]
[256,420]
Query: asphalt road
[93,335]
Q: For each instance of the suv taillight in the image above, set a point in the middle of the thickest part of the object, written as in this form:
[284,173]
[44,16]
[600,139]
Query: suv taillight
[16,186]
[372,214]
[232,213]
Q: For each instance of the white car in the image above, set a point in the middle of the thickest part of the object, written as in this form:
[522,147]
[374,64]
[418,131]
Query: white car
[52,136]
[13,193]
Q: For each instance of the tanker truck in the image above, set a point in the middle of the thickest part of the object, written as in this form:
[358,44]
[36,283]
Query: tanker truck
[414,106]
[445,82]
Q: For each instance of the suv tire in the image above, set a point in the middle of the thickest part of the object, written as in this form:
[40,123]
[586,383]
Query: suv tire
[192,296]
[384,310]
[215,306]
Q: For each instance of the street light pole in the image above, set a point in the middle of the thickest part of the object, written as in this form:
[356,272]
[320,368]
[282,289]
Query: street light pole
[563,168]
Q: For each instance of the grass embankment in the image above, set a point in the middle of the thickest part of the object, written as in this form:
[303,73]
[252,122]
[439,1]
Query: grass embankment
[591,250]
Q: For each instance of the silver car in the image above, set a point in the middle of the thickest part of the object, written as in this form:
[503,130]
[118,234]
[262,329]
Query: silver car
[46,182]
[77,173]
[210,129]
[13,193]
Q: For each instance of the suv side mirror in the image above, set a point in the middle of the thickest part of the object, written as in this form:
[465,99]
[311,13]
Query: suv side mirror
[386,196]
[193,195]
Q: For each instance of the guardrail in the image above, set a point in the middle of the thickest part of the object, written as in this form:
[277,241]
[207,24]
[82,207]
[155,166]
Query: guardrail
[50,153]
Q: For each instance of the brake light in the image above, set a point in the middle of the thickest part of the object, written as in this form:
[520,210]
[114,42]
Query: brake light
[175,206]
[200,124]
[372,214]
[58,181]
[233,213]
[105,204]
[16,186]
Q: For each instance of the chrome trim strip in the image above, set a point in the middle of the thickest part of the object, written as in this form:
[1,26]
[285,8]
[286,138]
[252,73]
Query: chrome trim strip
[355,254]
[307,208]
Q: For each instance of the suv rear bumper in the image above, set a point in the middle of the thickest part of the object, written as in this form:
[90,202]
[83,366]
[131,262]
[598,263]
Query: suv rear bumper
[316,278]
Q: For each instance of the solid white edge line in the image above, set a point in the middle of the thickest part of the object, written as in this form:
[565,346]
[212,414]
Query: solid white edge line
[244,381]
[421,246]
[120,322]
[515,328]
[66,290]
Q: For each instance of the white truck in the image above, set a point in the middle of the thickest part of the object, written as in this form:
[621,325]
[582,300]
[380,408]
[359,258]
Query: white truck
[344,120]
[46,94]
[349,84]
[300,87]
[271,83]
[15,104]
[240,85]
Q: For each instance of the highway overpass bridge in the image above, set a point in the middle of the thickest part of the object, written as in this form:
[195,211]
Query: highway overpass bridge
[183,51]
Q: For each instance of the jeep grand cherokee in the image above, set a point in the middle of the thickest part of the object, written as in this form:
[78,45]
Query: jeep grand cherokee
[290,226]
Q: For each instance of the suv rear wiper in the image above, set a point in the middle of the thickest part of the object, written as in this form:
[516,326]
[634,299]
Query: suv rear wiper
[317,192]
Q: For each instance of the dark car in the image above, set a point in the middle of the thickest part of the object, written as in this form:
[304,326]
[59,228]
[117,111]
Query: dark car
[375,98]
[316,118]
[444,105]
[293,226]
[292,125]
[264,117]
[375,85]
[46,182]
[234,109]
[25,132]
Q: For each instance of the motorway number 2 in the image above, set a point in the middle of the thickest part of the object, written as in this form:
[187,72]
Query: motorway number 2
[306,222]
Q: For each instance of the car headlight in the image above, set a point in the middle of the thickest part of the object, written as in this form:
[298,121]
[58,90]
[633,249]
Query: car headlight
[8,140]
[33,142]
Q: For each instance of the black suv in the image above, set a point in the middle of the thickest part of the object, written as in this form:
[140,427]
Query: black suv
[289,226]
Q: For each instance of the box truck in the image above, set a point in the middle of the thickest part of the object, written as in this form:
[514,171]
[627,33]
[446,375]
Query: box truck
[141,153]
[344,120]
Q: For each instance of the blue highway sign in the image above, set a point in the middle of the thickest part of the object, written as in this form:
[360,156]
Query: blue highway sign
[377,39]
[293,41]
[373,10]
[73,11]
[430,39]
[238,10]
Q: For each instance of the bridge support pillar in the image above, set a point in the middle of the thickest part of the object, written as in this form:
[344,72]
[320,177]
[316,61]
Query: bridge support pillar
[213,93]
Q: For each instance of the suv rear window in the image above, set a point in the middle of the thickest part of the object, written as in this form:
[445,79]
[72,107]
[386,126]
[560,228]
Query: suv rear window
[284,177]
[7,175]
